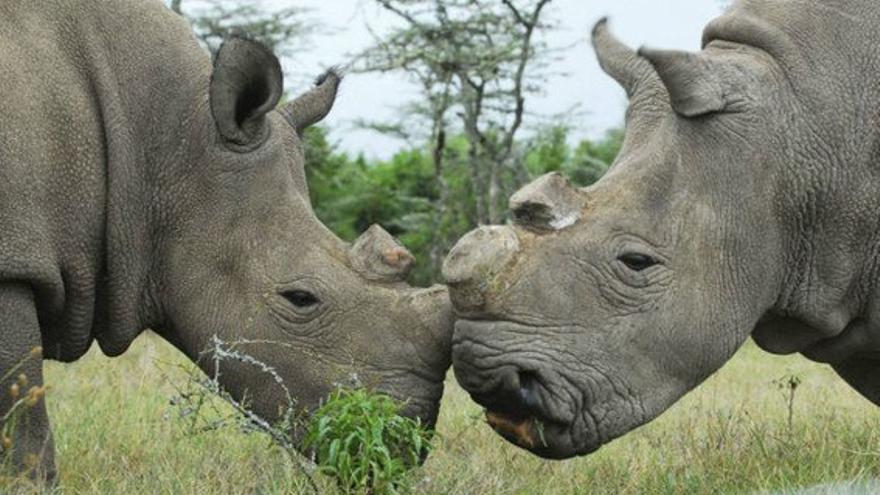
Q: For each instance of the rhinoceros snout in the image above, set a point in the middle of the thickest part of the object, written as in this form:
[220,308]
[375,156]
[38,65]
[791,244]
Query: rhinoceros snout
[473,263]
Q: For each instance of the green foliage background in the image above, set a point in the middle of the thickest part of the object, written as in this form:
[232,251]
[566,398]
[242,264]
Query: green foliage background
[351,193]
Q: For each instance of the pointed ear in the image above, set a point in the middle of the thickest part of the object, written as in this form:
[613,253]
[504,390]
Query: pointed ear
[309,108]
[693,81]
[620,61]
[246,85]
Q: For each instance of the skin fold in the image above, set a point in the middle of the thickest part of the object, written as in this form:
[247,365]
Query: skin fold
[743,203]
[143,186]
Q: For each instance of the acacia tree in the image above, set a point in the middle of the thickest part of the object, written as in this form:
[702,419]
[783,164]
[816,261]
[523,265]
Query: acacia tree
[282,30]
[474,62]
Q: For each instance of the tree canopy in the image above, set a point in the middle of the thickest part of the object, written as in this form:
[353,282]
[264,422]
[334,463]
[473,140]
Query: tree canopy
[476,62]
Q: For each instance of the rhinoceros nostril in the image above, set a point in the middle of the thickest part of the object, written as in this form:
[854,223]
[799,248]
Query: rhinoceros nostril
[528,383]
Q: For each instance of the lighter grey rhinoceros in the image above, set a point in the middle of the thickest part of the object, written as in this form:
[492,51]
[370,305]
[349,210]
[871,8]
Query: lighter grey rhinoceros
[140,187]
[744,202]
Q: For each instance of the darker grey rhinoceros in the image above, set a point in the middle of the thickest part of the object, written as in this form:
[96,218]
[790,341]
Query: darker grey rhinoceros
[744,202]
[140,187]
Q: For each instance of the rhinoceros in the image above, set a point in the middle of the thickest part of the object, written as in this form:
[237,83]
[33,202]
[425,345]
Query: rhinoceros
[143,186]
[743,203]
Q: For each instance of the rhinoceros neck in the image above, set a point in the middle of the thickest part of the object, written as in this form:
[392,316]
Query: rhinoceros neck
[827,149]
[104,115]
[151,81]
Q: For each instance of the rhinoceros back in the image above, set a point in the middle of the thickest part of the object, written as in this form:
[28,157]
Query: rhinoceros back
[77,96]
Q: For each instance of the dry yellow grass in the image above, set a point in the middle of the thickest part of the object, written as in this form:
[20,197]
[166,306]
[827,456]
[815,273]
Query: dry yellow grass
[116,433]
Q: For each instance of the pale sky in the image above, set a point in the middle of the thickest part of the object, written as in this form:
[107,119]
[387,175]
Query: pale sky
[658,23]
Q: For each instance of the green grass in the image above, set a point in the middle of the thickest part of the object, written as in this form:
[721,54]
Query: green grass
[115,432]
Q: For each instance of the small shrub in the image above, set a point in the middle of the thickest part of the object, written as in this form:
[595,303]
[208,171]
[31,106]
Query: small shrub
[359,438]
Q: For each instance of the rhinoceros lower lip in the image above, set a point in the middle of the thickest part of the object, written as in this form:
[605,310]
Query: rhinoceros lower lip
[520,430]
[543,438]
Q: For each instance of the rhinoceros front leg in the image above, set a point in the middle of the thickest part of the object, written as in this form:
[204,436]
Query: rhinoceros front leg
[26,438]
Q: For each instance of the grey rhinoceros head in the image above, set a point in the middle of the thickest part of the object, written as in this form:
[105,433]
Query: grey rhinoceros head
[247,260]
[599,307]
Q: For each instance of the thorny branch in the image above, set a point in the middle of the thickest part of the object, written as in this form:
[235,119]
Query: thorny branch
[191,402]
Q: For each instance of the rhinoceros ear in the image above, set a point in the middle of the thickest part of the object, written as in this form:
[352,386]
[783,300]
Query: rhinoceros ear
[246,85]
[315,104]
[693,81]
[620,61]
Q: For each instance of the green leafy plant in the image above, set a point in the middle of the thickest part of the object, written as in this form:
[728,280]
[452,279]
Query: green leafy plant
[359,438]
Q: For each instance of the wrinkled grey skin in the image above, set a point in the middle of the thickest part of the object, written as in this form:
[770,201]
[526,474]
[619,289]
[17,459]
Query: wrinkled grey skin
[140,187]
[744,202]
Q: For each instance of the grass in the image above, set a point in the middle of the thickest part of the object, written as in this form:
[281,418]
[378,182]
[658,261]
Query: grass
[115,432]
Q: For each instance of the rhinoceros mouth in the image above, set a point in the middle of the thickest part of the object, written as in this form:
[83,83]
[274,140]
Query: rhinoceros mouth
[523,431]
[542,437]
[530,400]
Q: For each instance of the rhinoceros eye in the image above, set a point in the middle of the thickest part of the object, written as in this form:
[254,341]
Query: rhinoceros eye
[637,261]
[302,299]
